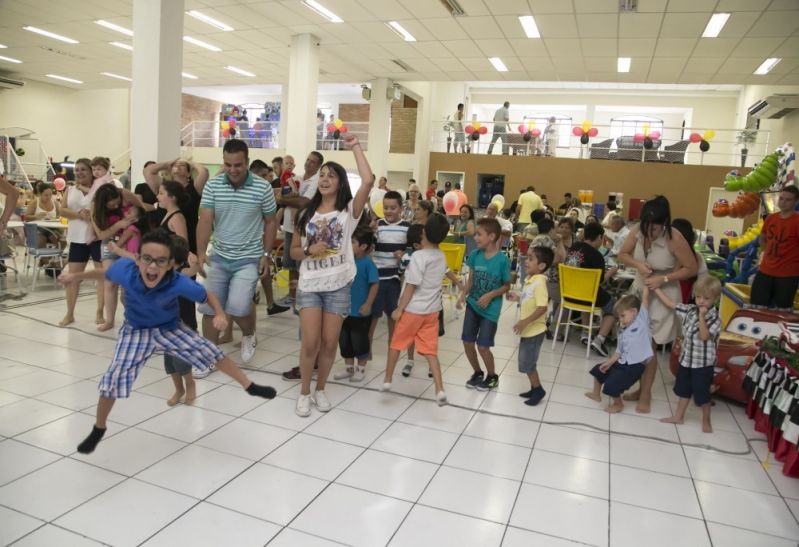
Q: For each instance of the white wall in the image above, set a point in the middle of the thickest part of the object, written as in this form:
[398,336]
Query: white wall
[70,122]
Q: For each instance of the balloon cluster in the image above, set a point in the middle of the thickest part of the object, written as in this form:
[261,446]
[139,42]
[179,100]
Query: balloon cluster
[750,235]
[228,127]
[338,128]
[744,205]
[453,201]
[59,183]
[646,137]
[529,131]
[475,130]
[760,178]
[702,139]
[584,131]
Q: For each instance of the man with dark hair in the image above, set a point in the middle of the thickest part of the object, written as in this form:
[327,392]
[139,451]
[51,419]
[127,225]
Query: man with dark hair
[277,165]
[501,128]
[563,207]
[431,189]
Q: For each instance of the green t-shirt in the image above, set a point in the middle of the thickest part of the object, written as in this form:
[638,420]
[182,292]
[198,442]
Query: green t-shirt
[487,275]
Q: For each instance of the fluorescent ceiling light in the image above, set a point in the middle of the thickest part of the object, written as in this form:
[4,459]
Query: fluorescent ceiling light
[122,45]
[623,64]
[112,26]
[207,19]
[767,65]
[714,26]
[240,71]
[3,46]
[10,59]
[322,11]
[117,76]
[498,64]
[63,78]
[529,26]
[189,76]
[200,43]
[399,29]
[52,35]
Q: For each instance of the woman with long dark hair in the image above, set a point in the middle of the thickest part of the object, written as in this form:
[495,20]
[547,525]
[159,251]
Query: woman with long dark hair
[662,258]
[465,229]
[327,270]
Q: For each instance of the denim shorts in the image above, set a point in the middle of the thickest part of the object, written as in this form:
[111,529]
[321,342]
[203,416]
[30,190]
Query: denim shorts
[477,328]
[338,301]
[529,349]
[233,282]
[388,294]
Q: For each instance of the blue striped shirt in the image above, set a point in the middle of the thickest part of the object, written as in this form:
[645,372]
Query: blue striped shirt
[239,215]
[390,238]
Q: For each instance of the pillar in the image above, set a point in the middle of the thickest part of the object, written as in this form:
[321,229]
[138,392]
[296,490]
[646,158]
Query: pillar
[302,92]
[157,81]
[424,132]
[379,122]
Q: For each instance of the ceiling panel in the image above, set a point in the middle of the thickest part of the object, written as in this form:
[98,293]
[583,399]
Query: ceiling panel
[739,65]
[504,7]
[776,23]
[446,28]
[637,47]
[639,25]
[495,48]
[715,47]
[692,6]
[674,47]
[598,25]
[480,27]
[527,47]
[757,47]
[557,26]
[703,66]
[599,47]
[596,6]
[562,47]
[683,25]
[739,24]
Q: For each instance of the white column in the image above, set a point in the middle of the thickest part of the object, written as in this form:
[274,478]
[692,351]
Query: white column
[379,121]
[156,89]
[424,131]
[303,89]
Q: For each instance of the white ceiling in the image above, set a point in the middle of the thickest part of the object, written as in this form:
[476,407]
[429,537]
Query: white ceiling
[580,41]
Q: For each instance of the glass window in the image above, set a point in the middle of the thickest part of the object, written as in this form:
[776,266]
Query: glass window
[630,125]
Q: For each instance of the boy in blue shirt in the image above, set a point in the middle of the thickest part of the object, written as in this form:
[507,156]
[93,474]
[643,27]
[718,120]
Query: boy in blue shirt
[624,368]
[152,323]
[354,338]
[489,279]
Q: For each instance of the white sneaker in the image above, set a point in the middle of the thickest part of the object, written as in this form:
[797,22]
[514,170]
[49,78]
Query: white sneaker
[385,387]
[344,374]
[321,402]
[247,348]
[303,408]
[441,398]
[196,373]
[358,375]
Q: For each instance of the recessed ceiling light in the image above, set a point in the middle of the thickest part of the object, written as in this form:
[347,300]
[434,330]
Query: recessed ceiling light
[52,35]
[323,11]
[767,65]
[122,45]
[240,71]
[498,64]
[399,29]
[63,78]
[714,26]
[112,26]
[3,46]
[189,76]
[529,26]
[200,43]
[10,59]
[623,64]
[117,76]
[207,19]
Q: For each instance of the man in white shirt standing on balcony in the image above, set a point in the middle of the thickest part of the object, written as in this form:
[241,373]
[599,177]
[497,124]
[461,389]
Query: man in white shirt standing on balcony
[501,126]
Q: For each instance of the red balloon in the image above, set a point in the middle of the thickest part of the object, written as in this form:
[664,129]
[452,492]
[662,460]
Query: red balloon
[655,135]
[331,128]
[483,130]
[695,138]
[577,131]
[232,123]
[522,129]
[536,133]
[226,133]
[639,137]
[343,129]
[451,203]
[469,129]
[593,132]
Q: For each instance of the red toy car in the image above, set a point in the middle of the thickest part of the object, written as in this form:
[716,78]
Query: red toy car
[737,345]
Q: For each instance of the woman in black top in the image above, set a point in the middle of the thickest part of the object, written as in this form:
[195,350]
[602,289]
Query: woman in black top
[148,195]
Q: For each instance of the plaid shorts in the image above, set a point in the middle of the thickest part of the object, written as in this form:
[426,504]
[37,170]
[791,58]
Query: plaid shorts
[135,346]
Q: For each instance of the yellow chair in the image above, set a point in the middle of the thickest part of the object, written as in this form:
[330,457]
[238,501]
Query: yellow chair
[577,285]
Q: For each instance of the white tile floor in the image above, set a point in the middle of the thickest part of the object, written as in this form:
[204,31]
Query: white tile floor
[379,469]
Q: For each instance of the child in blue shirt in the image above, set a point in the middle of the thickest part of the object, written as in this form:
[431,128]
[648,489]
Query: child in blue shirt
[152,323]
[489,279]
[354,338]
[624,368]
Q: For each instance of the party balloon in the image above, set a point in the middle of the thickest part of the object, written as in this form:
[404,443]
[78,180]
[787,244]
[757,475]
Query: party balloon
[527,136]
[331,127]
[232,132]
[586,126]
[638,137]
[577,131]
[648,144]
[695,138]
[522,129]
[451,203]
[376,201]
[593,132]
[232,123]
[584,139]
[469,129]
[226,133]
[482,129]
[59,184]
[536,133]
[338,124]
[475,136]
[709,134]
[224,124]
[336,134]
[378,209]
[655,135]
[645,127]
[343,129]
[500,199]
[497,204]
[704,146]
[477,125]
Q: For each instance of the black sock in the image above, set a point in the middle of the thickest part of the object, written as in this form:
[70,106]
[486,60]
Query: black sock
[267,392]
[90,443]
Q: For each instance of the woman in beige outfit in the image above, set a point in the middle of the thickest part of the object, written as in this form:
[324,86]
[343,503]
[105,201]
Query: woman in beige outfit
[663,258]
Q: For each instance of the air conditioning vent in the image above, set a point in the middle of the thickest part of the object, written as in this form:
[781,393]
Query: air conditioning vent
[775,106]
[8,83]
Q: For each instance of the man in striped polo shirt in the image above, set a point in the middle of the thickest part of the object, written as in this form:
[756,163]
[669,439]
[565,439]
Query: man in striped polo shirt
[239,208]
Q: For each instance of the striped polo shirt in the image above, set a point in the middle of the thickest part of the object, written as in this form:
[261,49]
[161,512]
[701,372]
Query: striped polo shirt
[239,215]
[390,238]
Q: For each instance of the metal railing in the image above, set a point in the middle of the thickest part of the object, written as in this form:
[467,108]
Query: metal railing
[25,161]
[672,145]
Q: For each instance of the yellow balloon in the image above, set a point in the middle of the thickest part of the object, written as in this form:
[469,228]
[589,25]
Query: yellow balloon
[531,125]
[709,134]
[646,129]
[586,125]
[378,209]
[498,204]
[338,124]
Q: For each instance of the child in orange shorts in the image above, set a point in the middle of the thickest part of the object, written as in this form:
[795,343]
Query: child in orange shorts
[419,304]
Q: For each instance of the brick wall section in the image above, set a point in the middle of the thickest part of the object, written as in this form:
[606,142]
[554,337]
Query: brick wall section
[403,128]
[353,112]
[199,109]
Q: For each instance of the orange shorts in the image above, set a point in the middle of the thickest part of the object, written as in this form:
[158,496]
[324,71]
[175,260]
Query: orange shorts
[421,330]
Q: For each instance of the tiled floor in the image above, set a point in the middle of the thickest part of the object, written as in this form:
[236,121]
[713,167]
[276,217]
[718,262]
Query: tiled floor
[379,469]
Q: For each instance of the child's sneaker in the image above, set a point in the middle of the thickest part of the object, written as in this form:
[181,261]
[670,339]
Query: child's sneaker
[536,394]
[599,347]
[303,409]
[475,380]
[344,374]
[321,401]
[488,384]
[406,370]
[357,375]
[385,386]
[429,373]
[441,398]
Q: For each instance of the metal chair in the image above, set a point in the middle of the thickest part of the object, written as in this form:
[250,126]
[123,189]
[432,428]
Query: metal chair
[578,291]
[36,253]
